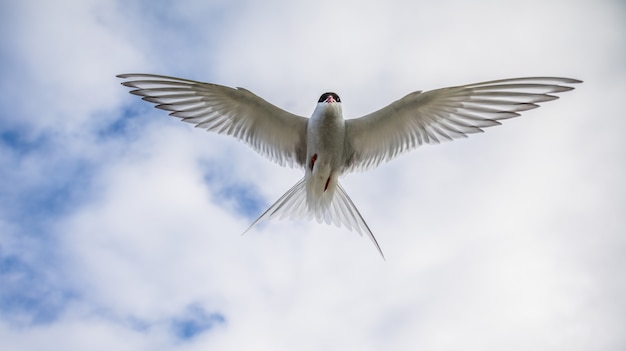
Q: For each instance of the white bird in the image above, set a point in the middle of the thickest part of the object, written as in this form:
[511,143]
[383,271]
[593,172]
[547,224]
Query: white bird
[327,146]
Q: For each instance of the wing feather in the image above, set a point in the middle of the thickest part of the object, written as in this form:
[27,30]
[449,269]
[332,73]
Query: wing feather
[443,114]
[271,131]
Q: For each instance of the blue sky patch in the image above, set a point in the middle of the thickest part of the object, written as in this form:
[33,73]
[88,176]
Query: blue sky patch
[59,188]
[243,197]
[247,201]
[20,142]
[27,295]
[196,320]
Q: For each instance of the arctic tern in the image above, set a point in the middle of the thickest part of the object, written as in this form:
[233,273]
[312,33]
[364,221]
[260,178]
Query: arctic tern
[327,146]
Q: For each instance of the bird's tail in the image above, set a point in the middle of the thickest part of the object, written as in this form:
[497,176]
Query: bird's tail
[341,210]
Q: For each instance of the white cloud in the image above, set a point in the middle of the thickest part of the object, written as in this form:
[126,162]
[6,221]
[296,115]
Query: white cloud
[507,240]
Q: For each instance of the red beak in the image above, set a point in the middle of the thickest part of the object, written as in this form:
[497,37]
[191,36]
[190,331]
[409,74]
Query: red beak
[330,99]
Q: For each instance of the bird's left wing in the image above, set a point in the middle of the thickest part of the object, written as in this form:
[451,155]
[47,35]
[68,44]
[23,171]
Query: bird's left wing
[442,114]
[271,131]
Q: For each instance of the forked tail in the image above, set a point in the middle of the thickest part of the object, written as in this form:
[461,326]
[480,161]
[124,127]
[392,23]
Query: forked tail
[341,211]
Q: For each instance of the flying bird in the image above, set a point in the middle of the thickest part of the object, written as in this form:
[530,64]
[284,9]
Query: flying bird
[326,145]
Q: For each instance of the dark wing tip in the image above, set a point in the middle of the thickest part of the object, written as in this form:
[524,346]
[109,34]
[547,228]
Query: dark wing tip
[130,75]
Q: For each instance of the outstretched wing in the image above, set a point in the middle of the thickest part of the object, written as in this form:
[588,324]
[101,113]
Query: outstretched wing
[271,131]
[442,114]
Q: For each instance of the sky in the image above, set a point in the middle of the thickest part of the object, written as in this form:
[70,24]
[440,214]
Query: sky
[120,227]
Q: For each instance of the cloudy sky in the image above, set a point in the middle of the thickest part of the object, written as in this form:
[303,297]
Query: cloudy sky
[120,226]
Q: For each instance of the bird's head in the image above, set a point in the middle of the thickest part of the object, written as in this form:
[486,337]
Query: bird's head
[329,98]
[329,104]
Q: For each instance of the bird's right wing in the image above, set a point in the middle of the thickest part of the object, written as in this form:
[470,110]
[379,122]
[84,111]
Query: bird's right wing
[442,114]
[271,131]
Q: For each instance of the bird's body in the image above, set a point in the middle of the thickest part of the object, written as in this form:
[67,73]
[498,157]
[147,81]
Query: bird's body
[327,146]
[326,131]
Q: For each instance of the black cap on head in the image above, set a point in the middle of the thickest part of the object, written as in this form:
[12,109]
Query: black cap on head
[326,95]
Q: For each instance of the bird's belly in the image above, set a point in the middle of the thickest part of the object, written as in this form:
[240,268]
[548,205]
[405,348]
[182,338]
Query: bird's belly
[325,139]
[321,176]
[323,167]
[321,183]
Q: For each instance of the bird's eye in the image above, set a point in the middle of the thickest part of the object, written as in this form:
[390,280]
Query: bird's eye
[336,97]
